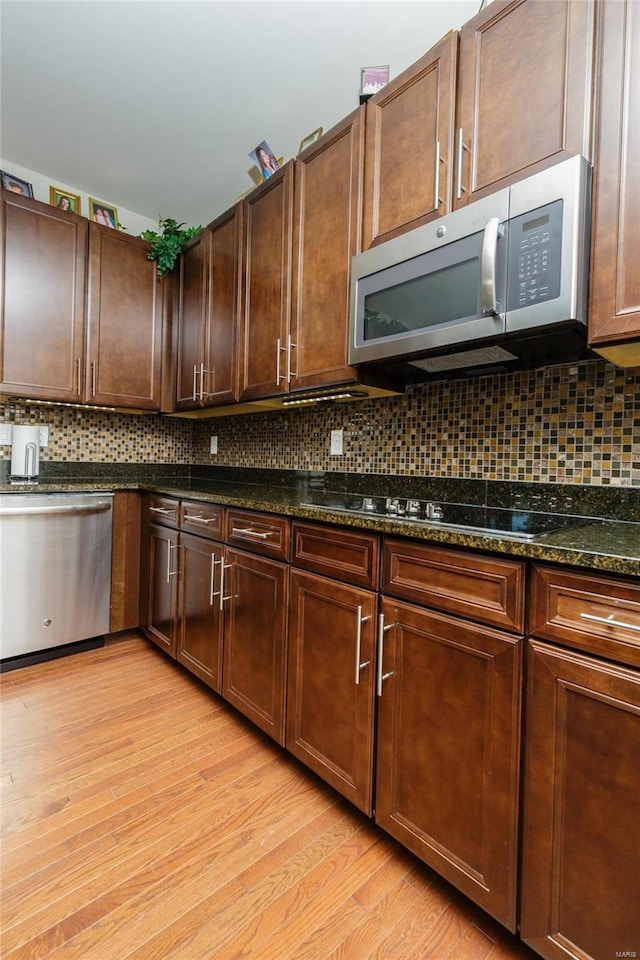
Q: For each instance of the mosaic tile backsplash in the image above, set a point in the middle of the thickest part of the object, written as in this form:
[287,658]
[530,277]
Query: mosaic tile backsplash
[577,423]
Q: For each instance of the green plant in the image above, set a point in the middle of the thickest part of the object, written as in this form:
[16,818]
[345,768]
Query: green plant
[167,245]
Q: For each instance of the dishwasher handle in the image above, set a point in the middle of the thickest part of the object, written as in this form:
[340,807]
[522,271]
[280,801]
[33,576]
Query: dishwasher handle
[72,509]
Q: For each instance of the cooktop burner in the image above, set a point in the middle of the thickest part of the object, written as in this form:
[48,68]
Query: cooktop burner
[523,524]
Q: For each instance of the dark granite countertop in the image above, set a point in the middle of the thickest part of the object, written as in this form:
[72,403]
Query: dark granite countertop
[612,545]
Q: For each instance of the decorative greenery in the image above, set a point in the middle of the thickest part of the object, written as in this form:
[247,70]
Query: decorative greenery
[167,245]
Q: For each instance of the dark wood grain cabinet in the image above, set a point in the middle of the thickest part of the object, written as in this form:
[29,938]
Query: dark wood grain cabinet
[44,259]
[162,600]
[208,315]
[88,296]
[614,315]
[331,674]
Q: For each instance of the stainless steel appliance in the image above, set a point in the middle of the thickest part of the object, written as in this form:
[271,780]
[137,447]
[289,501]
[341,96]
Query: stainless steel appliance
[491,521]
[483,284]
[55,570]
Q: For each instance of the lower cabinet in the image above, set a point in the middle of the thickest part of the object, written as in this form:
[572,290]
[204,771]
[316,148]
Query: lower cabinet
[448,749]
[199,638]
[162,606]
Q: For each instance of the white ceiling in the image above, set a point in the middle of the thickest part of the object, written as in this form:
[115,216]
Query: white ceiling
[154,105]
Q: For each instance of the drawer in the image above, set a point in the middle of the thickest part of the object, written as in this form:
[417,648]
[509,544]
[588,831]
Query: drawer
[474,586]
[336,553]
[261,533]
[164,510]
[599,614]
[204,519]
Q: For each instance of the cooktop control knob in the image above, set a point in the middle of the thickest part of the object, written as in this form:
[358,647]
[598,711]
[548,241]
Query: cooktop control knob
[413,508]
[368,504]
[391,505]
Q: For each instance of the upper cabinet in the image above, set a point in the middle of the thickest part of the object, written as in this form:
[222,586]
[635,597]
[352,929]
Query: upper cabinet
[98,331]
[614,316]
[208,310]
[524,92]
[124,349]
[409,146]
[44,255]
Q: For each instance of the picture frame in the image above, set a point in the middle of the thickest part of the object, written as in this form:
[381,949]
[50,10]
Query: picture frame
[373,79]
[309,139]
[264,159]
[103,213]
[15,184]
[70,202]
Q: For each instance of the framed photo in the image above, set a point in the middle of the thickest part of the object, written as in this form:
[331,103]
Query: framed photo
[103,213]
[309,139]
[64,200]
[264,159]
[373,79]
[16,184]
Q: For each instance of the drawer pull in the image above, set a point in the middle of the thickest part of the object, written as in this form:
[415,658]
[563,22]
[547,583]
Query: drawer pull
[216,593]
[171,512]
[248,532]
[610,621]
[381,676]
[360,666]
[170,572]
[196,518]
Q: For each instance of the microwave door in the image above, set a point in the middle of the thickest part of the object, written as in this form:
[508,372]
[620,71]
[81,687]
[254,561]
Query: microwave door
[445,297]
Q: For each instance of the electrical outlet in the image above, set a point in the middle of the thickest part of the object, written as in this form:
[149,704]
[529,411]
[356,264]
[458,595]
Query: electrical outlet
[44,436]
[213,445]
[336,443]
[5,434]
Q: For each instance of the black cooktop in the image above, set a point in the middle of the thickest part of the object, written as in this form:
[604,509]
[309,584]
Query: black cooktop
[523,524]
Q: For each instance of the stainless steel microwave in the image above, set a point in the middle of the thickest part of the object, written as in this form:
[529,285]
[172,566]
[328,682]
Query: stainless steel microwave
[492,273]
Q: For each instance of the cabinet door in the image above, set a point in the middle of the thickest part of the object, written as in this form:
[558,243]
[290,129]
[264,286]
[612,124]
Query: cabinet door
[328,193]
[124,356]
[163,587]
[44,255]
[614,316]
[448,750]
[220,374]
[524,92]
[255,611]
[331,683]
[264,349]
[200,615]
[409,146]
[581,842]
[192,299]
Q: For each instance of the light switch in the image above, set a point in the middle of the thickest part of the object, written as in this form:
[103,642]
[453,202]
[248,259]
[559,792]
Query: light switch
[44,436]
[5,434]
[336,443]
[213,445]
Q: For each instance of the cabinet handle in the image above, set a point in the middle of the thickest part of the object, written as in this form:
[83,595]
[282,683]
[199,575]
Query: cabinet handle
[279,349]
[196,518]
[77,373]
[247,531]
[381,632]
[170,572]
[225,566]
[212,594]
[170,512]
[460,189]
[360,666]
[610,621]
[437,200]
[488,302]
[211,373]
[194,396]
[93,378]
[290,346]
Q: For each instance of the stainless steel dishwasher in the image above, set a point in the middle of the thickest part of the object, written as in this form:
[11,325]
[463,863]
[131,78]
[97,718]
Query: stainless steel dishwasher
[55,571]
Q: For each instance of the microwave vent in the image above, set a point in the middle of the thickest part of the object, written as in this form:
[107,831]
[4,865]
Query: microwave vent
[467,358]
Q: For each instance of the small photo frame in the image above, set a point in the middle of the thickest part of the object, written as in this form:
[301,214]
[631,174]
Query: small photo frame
[264,159]
[63,200]
[16,184]
[103,213]
[309,139]
[373,79]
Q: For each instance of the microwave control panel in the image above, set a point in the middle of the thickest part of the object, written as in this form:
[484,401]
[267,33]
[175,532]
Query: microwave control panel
[535,246]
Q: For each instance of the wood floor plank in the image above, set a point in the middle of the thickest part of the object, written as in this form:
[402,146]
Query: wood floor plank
[147,820]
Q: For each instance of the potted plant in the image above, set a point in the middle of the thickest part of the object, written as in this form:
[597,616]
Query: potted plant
[167,245]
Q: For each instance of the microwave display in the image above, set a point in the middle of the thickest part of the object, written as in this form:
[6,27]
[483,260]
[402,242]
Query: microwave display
[535,245]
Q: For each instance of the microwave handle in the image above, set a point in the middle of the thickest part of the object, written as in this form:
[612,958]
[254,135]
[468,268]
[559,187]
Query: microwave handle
[488,301]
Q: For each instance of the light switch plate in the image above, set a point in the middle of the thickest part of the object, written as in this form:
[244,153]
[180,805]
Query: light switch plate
[5,434]
[213,445]
[336,443]
[44,436]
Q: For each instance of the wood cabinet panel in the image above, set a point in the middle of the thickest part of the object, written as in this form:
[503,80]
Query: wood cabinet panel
[125,560]
[255,623]
[263,533]
[328,192]
[124,354]
[598,614]
[483,588]
[614,317]
[331,683]
[192,304]
[199,645]
[220,374]
[448,750]
[164,510]
[44,256]
[409,146]
[203,519]
[581,843]
[266,309]
[162,608]
[341,554]
[538,56]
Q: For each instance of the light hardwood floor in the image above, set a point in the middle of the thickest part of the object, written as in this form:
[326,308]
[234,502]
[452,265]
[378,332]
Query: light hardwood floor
[144,819]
